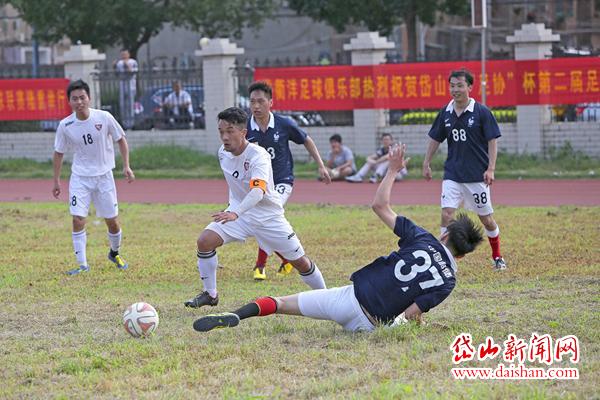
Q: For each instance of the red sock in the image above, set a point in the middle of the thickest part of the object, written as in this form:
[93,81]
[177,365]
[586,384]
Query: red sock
[266,306]
[261,259]
[283,259]
[495,245]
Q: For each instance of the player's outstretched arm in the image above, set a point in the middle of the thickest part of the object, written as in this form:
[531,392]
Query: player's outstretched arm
[488,175]
[381,203]
[311,147]
[57,160]
[124,149]
[431,149]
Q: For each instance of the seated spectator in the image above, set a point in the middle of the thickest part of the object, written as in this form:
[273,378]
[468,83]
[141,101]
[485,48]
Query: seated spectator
[340,160]
[378,163]
[177,107]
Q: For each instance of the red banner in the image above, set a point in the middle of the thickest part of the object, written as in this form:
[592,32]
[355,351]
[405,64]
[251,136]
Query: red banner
[33,99]
[425,85]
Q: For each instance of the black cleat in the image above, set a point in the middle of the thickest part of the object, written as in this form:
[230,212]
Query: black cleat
[203,299]
[214,321]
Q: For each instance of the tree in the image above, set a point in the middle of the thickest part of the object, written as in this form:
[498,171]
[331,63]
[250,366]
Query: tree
[380,15]
[131,23]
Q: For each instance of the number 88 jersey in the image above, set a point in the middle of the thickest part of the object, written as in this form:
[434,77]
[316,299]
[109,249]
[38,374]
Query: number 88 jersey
[421,271]
[468,135]
[91,141]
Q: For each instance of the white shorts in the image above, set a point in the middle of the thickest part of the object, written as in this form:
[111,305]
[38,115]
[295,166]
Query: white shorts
[101,190]
[285,191]
[475,196]
[336,304]
[275,234]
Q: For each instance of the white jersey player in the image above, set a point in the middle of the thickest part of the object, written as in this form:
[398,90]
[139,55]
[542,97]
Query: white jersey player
[254,209]
[90,133]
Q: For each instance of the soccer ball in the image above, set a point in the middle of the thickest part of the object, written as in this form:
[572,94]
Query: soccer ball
[140,319]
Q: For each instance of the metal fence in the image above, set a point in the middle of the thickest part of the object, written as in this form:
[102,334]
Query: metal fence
[23,71]
[138,100]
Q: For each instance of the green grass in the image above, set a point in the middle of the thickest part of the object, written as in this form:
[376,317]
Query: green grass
[182,163]
[61,337]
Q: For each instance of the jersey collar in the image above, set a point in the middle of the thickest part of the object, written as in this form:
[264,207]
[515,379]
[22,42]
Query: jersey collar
[254,125]
[453,264]
[470,106]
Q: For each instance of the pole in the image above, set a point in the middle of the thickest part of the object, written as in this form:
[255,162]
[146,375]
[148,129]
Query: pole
[35,59]
[483,50]
[483,79]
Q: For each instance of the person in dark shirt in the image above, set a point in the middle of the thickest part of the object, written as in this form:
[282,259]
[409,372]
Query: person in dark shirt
[409,281]
[274,132]
[472,133]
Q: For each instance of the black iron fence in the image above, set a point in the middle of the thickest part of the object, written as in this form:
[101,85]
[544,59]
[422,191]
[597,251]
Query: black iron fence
[138,100]
[23,71]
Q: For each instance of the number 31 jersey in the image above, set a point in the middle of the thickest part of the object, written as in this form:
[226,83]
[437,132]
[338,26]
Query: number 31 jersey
[421,271]
[91,141]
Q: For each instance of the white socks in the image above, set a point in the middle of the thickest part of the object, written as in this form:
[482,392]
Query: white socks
[79,245]
[494,233]
[207,266]
[313,277]
[114,240]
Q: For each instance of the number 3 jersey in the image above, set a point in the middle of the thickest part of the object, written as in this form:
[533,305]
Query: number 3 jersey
[91,141]
[251,169]
[421,271]
[276,141]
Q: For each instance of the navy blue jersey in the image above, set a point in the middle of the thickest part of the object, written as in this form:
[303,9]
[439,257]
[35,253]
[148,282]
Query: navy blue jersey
[276,141]
[421,271]
[382,151]
[468,137]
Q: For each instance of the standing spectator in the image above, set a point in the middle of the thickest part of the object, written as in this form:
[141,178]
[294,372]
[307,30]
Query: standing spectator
[91,134]
[378,163]
[340,160]
[274,132]
[126,69]
[472,132]
[178,107]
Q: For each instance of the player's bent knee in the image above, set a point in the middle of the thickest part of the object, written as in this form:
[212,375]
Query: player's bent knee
[208,241]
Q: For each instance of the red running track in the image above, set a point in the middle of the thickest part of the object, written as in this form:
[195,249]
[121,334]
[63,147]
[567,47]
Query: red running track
[585,192]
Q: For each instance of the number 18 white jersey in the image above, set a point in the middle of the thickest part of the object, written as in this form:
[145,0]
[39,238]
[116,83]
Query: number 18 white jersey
[241,171]
[91,141]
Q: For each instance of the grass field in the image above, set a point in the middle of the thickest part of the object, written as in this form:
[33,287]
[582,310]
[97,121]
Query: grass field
[61,337]
[182,163]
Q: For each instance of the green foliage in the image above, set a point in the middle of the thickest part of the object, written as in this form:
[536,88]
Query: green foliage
[427,117]
[381,15]
[131,23]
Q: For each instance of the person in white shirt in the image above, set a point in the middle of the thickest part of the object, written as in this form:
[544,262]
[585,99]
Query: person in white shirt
[90,133]
[178,106]
[127,69]
[254,209]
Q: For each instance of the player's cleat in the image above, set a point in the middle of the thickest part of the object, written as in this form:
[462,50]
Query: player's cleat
[118,261]
[215,321]
[203,299]
[285,269]
[373,178]
[81,268]
[259,274]
[354,178]
[499,264]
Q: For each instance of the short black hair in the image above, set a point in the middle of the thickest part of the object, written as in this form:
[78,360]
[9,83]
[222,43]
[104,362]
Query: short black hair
[335,138]
[261,85]
[235,116]
[463,72]
[387,134]
[76,85]
[463,235]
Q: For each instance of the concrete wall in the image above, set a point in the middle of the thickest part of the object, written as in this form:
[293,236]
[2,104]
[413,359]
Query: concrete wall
[583,136]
